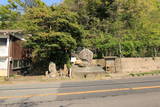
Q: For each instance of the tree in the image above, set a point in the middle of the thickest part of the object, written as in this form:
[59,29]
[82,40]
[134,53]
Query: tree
[52,46]
[55,33]
[8,17]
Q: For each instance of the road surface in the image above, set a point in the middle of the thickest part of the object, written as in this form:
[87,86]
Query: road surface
[134,92]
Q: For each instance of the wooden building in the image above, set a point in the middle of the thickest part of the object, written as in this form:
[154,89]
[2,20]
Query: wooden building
[13,57]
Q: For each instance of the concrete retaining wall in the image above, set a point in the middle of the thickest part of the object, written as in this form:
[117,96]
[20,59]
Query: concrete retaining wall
[129,65]
[132,65]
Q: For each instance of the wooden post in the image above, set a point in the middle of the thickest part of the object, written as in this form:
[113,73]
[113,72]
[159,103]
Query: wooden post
[70,73]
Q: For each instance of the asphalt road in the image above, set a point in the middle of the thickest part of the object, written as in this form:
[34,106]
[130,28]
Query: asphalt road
[134,92]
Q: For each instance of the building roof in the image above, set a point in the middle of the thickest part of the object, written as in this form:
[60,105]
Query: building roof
[16,33]
[10,31]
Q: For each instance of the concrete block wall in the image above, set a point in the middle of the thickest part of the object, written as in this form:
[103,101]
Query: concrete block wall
[130,65]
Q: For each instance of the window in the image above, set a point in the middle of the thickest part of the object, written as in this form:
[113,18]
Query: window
[3,47]
[17,64]
[3,41]
[3,63]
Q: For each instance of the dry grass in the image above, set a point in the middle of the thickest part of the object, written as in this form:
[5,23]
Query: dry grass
[17,79]
[4,80]
[144,73]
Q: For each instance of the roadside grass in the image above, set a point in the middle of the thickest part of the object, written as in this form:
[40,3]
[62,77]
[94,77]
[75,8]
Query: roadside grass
[144,73]
[14,79]
[18,79]
[4,80]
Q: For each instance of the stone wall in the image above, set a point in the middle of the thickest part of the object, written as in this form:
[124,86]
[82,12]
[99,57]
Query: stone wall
[129,65]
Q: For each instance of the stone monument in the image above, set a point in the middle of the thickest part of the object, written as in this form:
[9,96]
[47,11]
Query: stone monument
[84,63]
[86,55]
[52,69]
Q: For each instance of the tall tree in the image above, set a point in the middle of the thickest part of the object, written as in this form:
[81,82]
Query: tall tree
[55,33]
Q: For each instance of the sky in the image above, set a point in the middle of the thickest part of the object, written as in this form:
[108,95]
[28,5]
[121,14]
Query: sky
[49,2]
